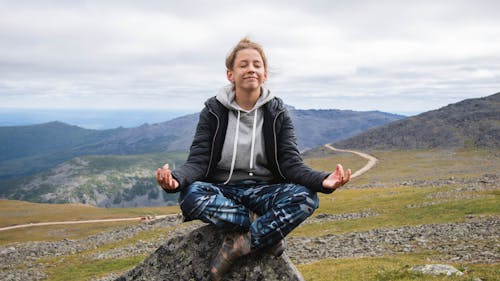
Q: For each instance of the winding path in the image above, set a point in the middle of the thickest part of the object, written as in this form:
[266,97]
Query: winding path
[79,222]
[372,161]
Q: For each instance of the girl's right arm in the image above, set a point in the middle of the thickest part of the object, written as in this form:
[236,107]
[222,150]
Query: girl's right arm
[199,154]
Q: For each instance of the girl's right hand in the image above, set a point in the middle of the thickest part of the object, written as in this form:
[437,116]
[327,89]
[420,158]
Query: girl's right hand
[165,179]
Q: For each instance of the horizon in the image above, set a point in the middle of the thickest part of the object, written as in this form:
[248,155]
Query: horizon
[102,118]
[105,118]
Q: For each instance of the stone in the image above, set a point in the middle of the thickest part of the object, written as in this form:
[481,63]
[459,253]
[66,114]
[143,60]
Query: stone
[188,257]
[438,269]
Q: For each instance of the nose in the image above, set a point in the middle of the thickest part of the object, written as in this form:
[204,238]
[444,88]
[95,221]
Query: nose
[251,68]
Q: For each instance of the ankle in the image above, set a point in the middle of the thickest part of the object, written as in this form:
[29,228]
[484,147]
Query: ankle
[243,243]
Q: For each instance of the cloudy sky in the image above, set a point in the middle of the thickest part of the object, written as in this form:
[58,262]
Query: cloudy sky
[396,56]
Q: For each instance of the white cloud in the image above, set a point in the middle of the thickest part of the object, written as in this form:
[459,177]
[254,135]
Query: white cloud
[397,56]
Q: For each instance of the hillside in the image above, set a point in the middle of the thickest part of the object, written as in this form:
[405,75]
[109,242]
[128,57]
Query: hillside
[316,127]
[469,123]
[26,150]
[30,149]
[104,181]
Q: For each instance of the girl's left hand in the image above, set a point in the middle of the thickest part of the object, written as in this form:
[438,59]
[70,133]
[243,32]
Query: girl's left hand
[337,178]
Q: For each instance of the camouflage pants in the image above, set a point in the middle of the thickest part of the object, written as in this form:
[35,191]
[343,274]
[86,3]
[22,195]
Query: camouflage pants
[280,207]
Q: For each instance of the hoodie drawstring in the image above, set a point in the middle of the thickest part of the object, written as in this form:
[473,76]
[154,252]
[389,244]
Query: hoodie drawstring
[253,142]
[235,148]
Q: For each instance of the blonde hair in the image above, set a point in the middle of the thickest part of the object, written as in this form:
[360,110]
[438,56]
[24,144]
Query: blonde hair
[244,43]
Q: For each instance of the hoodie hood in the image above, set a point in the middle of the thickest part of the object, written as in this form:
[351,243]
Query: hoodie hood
[226,96]
[243,153]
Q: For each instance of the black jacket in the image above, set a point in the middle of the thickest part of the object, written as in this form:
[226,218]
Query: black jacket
[282,152]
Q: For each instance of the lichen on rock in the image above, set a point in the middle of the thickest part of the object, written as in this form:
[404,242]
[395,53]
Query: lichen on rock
[188,257]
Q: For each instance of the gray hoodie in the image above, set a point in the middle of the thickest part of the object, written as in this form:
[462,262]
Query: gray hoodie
[243,154]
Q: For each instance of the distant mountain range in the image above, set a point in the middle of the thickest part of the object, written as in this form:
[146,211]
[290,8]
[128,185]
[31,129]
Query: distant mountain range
[56,162]
[469,123]
[26,150]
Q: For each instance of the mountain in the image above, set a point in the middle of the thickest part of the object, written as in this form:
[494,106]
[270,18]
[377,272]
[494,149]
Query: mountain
[26,150]
[317,127]
[469,123]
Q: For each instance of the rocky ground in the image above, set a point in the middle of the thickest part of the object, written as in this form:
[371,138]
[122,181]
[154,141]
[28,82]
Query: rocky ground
[477,240]
[474,241]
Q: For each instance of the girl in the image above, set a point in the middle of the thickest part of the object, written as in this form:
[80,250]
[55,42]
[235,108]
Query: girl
[244,158]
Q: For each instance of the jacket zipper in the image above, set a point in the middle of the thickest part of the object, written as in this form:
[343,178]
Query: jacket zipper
[276,144]
[213,142]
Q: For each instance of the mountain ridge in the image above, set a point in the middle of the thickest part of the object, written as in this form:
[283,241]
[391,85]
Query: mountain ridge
[26,150]
[468,123]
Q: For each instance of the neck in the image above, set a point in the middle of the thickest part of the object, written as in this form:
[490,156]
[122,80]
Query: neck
[247,99]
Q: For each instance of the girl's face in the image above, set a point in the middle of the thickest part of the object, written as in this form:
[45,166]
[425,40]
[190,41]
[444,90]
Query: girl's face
[248,72]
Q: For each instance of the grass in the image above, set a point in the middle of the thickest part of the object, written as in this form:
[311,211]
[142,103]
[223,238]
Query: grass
[57,232]
[329,161]
[14,212]
[81,266]
[396,166]
[389,268]
[19,212]
[76,269]
[390,203]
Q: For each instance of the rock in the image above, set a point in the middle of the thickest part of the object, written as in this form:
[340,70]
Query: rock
[438,269]
[188,257]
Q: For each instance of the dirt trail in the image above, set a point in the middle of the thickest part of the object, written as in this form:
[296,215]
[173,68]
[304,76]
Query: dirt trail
[78,222]
[372,161]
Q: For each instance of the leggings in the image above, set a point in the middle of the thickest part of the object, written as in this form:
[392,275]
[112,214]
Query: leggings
[280,207]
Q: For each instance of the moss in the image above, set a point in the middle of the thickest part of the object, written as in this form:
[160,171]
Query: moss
[82,269]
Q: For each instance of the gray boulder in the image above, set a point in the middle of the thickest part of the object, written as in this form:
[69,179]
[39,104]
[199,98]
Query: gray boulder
[188,256]
[438,269]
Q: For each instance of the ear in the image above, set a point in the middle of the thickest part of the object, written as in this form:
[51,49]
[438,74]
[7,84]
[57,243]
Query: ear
[265,75]
[229,75]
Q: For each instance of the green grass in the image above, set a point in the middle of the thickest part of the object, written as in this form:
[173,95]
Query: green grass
[389,268]
[329,161]
[76,269]
[13,212]
[83,267]
[19,212]
[396,166]
[57,232]
[390,204]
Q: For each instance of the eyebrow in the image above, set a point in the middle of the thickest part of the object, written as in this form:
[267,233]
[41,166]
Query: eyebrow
[254,61]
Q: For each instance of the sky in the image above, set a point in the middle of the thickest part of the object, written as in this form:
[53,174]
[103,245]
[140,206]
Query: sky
[403,57]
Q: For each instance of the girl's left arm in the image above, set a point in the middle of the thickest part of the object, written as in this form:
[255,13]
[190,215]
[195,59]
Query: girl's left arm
[291,163]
